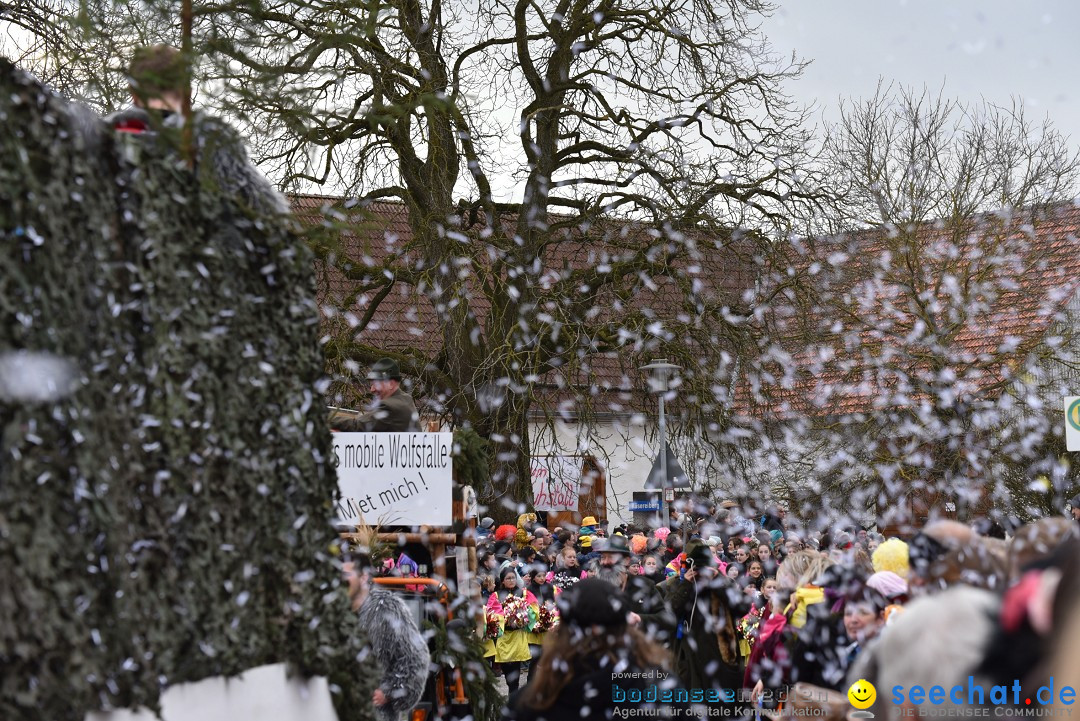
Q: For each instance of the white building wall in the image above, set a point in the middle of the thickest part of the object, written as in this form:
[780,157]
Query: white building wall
[622,447]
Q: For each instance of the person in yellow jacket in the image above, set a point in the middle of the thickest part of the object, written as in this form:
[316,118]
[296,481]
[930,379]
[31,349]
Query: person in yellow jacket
[798,572]
[518,610]
[795,576]
[802,599]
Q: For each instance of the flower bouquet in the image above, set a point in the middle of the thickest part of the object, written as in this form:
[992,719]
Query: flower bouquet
[493,626]
[748,627]
[517,614]
[547,618]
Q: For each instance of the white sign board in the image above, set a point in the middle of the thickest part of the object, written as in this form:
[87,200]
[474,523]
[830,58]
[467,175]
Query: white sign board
[395,479]
[1072,423]
[556,482]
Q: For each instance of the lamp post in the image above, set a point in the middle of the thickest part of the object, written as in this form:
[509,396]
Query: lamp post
[660,374]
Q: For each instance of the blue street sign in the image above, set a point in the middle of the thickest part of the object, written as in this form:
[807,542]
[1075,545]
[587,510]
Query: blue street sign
[641,506]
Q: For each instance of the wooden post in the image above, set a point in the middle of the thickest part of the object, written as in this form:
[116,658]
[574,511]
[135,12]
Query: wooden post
[188,55]
[438,559]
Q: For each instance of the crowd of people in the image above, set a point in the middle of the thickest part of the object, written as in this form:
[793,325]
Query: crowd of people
[741,610]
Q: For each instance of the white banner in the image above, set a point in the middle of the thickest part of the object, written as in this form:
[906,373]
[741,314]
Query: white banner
[395,479]
[556,482]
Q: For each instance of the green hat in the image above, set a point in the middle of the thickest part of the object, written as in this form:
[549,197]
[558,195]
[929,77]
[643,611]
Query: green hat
[384,369]
[700,553]
[616,544]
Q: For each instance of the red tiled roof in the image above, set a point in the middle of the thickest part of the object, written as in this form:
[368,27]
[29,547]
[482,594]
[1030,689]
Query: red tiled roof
[829,375]
[406,320]
[867,346]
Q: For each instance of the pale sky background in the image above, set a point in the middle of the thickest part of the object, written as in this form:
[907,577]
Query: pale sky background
[970,48]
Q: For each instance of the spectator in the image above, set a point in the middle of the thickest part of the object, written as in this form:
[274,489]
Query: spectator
[395,640]
[511,603]
[836,630]
[567,570]
[587,551]
[575,677]
[742,554]
[705,606]
[541,539]
[774,518]
[392,410]
[755,575]
[953,629]
[768,563]
[645,602]
[652,569]
[614,551]
[792,543]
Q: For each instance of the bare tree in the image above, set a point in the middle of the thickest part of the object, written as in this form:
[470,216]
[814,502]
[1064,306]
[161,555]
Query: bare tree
[520,137]
[939,331]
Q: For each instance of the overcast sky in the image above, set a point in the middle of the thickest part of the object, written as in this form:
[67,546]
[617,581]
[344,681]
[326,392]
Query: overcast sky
[972,48]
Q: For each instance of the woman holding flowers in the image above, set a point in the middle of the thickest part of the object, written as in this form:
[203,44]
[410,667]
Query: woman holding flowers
[516,610]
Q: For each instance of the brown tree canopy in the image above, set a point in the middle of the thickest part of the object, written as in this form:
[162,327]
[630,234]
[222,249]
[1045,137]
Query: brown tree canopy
[517,136]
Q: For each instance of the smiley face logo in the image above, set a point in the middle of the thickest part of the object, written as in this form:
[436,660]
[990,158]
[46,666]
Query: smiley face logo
[862,694]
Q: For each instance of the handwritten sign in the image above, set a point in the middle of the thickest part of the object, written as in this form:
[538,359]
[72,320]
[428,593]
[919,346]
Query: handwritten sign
[395,479]
[556,482]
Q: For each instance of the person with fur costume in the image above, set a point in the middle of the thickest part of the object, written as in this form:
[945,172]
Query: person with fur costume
[395,640]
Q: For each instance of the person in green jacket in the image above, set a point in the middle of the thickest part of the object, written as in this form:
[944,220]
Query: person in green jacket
[393,409]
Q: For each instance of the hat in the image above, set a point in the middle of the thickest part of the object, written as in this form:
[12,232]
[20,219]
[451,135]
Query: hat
[729,504]
[699,553]
[888,584]
[1038,541]
[487,522]
[593,602]
[586,541]
[892,555]
[859,591]
[713,541]
[505,532]
[588,521]
[384,369]
[616,544]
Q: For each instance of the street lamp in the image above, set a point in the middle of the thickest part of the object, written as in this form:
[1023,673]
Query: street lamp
[660,374]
